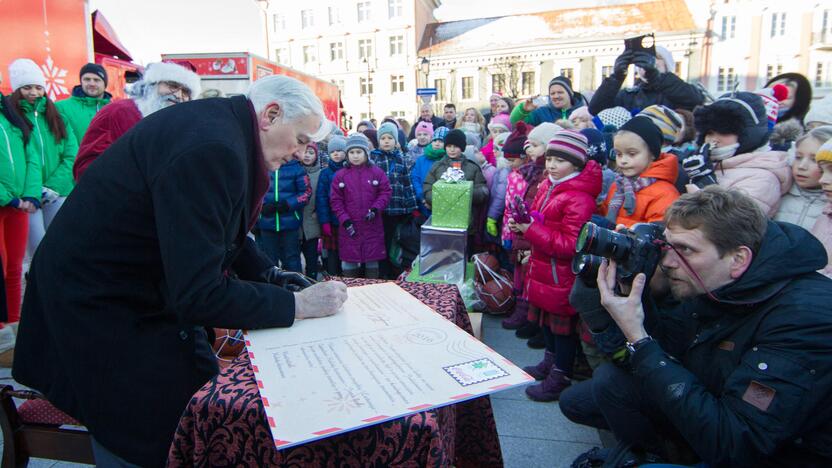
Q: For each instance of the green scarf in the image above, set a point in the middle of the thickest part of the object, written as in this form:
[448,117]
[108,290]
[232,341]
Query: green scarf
[434,154]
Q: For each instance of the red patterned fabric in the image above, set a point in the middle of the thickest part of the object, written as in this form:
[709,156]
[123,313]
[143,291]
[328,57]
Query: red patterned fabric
[225,423]
[42,412]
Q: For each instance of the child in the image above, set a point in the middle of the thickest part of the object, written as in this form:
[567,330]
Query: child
[359,195]
[564,202]
[527,171]
[734,152]
[337,160]
[598,151]
[500,123]
[310,228]
[581,118]
[280,220]
[454,145]
[823,225]
[402,203]
[804,201]
[433,153]
[643,188]
[424,132]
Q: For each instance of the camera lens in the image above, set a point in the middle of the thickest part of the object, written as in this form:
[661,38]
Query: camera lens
[586,266]
[602,242]
[585,238]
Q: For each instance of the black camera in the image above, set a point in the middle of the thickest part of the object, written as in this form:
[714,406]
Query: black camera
[645,43]
[635,250]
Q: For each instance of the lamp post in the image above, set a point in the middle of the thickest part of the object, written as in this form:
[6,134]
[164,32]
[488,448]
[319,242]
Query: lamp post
[369,94]
[424,66]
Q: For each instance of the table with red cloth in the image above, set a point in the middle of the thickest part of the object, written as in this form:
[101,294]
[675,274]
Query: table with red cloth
[225,424]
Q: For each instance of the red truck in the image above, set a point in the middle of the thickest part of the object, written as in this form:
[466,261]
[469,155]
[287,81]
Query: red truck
[232,72]
[61,36]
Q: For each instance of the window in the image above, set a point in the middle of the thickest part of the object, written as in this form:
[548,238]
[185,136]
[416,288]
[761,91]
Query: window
[772,71]
[467,87]
[774,24]
[278,22]
[527,79]
[334,15]
[606,72]
[729,27]
[365,48]
[567,72]
[440,89]
[725,79]
[394,8]
[309,54]
[366,86]
[363,11]
[498,83]
[397,114]
[306,19]
[823,75]
[339,84]
[336,51]
[677,69]
[396,45]
[365,116]
[282,55]
[397,83]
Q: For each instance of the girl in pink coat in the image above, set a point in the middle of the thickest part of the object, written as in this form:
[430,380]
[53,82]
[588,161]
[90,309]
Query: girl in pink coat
[360,193]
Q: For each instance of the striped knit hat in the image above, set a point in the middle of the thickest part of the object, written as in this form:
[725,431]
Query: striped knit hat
[569,145]
[824,154]
[668,121]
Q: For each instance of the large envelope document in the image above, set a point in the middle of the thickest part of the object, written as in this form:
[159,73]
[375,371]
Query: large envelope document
[384,356]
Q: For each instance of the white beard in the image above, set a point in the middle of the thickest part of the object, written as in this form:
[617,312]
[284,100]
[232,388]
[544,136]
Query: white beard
[152,101]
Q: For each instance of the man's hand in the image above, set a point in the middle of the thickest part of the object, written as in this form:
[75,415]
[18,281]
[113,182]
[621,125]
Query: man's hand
[622,63]
[320,300]
[529,105]
[627,311]
[646,62]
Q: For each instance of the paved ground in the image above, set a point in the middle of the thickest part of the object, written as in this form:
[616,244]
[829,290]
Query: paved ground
[531,434]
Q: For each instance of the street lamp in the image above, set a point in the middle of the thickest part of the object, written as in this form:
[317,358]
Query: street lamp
[424,66]
[367,88]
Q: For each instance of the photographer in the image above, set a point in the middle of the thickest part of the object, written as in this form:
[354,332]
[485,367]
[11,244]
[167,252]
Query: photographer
[656,84]
[739,371]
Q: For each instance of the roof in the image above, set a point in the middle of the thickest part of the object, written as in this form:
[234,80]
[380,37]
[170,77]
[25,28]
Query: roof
[458,37]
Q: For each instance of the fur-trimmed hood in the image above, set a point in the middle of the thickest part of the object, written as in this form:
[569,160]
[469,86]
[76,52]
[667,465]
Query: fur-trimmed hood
[742,114]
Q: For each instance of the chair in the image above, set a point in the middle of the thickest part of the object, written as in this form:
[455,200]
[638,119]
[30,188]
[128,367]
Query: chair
[35,430]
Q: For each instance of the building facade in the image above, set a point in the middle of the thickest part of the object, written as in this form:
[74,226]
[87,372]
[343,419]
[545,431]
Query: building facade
[517,55]
[752,41]
[368,48]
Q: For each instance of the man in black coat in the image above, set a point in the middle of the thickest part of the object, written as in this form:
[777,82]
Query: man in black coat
[657,85]
[425,115]
[741,370]
[151,247]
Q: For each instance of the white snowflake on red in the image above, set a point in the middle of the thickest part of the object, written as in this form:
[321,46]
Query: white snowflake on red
[55,79]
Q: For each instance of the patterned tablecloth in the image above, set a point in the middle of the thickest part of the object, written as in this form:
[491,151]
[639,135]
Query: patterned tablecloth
[225,424]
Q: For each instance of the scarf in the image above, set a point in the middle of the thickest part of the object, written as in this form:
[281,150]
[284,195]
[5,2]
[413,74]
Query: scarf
[532,170]
[556,182]
[625,194]
[723,152]
[434,154]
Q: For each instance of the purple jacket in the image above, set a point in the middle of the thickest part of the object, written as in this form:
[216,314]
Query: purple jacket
[355,190]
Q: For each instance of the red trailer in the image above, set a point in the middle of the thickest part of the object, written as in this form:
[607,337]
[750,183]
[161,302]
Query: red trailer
[232,72]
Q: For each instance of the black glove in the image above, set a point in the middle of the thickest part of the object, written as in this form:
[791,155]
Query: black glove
[699,168]
[269,209]
[622,63]
[286,279]
[282,206]
[350,228]
[646,62]
[587,302]
[371,214]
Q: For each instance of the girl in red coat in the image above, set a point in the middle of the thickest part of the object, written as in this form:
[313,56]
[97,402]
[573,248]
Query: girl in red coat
[359,194]
[565,201]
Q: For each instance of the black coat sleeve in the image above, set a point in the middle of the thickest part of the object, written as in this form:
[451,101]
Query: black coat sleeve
[677,94]
[251,261]
[191,227]
[604,96]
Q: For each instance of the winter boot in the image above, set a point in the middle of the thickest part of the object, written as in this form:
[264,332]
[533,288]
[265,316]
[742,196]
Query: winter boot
[528,330]
[550,388]
[353,273]
[518,318]
[541,370]
[537,341]
[371,273]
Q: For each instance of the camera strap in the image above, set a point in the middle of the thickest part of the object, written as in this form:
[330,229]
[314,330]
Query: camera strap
[664,245]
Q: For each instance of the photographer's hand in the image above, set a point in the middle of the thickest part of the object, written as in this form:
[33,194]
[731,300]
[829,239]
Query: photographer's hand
[627,311]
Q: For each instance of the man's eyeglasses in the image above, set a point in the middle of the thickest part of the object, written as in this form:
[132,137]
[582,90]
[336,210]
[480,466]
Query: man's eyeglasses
[177,87]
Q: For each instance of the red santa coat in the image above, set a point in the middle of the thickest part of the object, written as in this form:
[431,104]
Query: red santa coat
[110,123]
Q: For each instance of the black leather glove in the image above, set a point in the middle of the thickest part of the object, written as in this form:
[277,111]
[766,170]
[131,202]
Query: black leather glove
[699,168]
[282,206]
[269,209]
[371,214]
[646,62]
[286,279]
[622,63]
[348,225]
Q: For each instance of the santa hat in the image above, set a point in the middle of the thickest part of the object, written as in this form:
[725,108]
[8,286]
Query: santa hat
[165,71]
[25,72]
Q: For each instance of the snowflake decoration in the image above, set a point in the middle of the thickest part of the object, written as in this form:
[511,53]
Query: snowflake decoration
[55,79]
[344,402]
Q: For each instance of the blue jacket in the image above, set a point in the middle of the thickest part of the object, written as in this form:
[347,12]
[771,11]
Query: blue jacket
[293,186]
[322,205]
[417,175]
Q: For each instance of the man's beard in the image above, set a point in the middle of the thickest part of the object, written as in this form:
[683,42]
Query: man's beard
[151,101]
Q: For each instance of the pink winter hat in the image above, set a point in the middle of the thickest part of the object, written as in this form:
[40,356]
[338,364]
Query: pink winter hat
[424,127]
[500,121]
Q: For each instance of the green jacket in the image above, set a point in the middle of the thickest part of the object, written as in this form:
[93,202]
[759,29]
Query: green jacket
[20,173]
[56,159]
[79,109]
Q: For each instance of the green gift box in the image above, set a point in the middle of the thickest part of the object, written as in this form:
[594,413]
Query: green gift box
[451,206]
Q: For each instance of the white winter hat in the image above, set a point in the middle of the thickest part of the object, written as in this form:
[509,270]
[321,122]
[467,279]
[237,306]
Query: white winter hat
[667,57]
[544,132]
[23,72]
[820,111]
[164,71]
